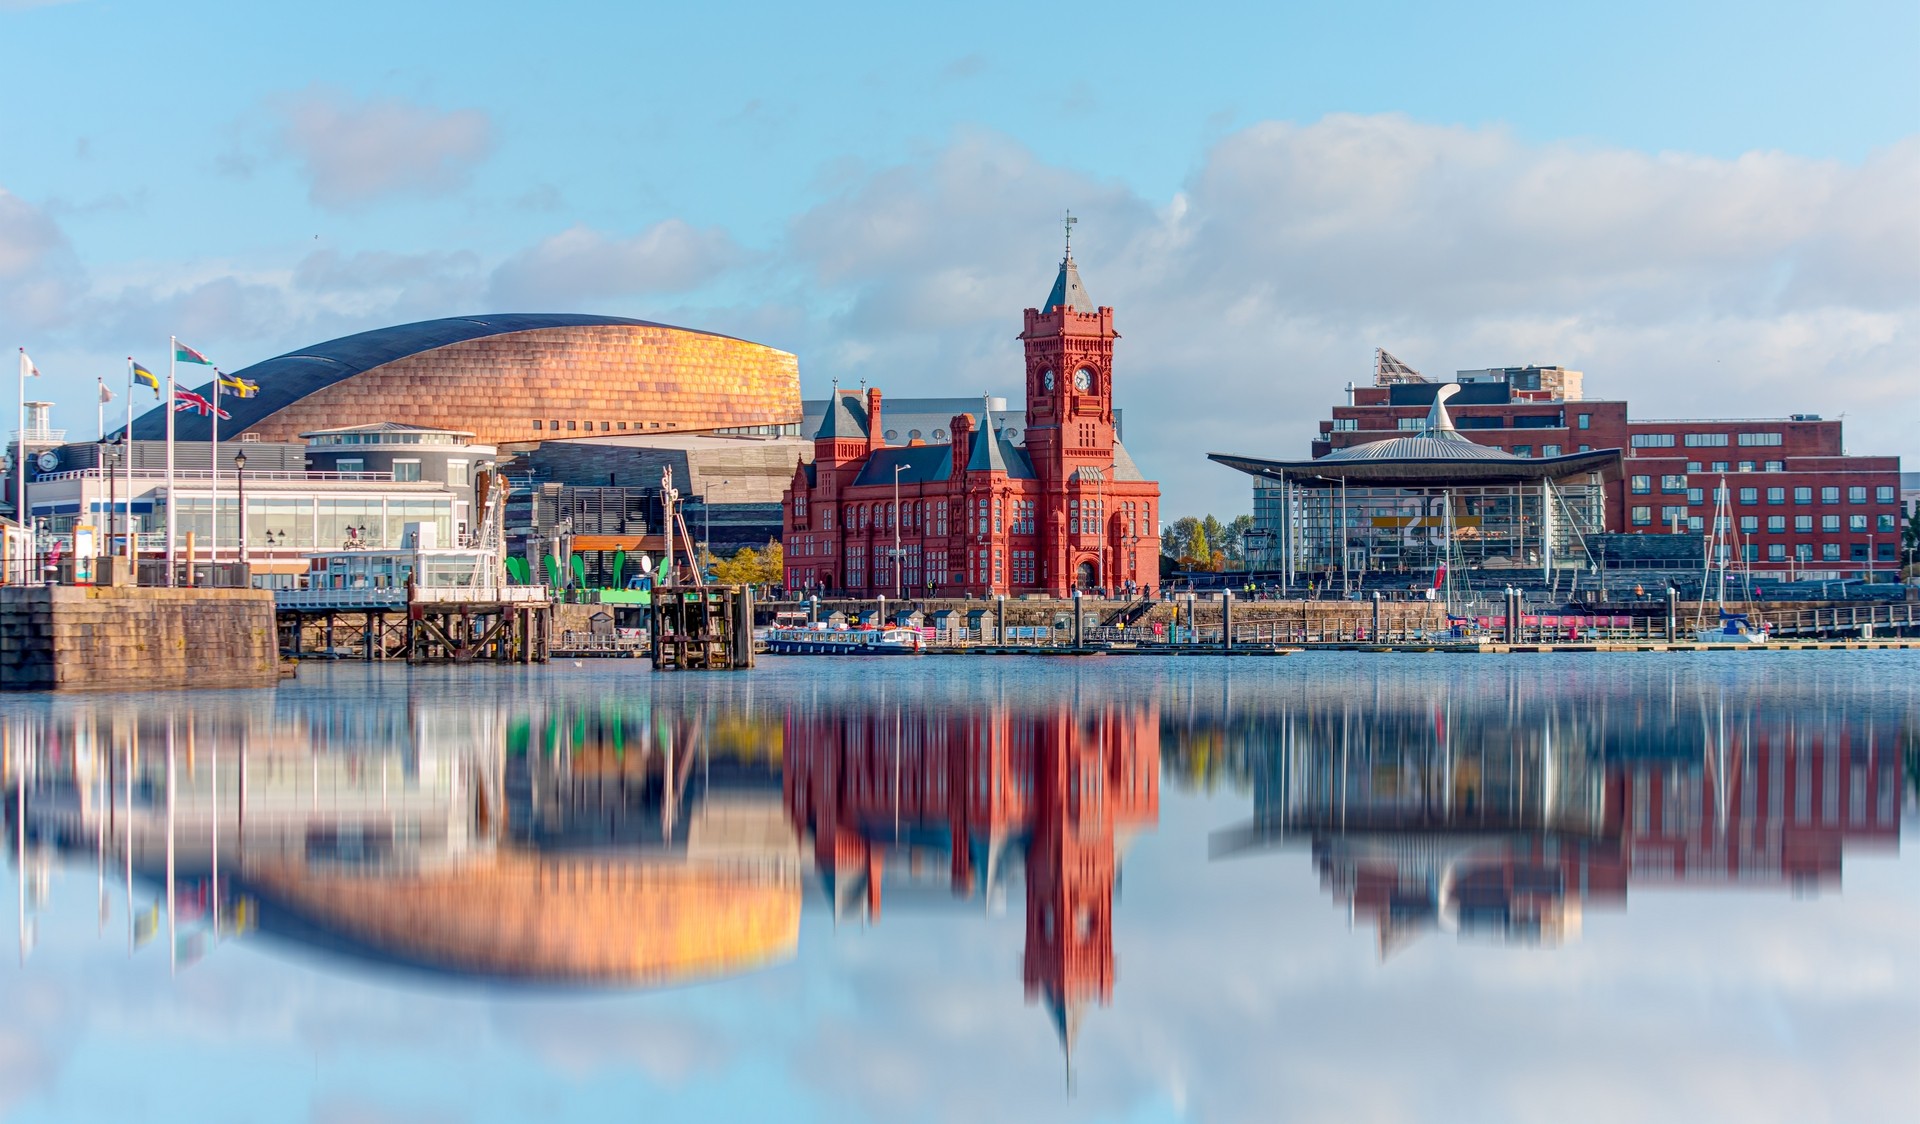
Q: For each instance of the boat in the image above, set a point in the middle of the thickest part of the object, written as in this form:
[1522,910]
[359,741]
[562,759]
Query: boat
[820,640]
[1733,628]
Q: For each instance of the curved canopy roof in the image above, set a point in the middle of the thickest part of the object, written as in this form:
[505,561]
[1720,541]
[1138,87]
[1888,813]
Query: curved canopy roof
[285,379]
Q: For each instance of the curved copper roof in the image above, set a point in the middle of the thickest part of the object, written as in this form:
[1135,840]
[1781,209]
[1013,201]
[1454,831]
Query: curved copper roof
[540,918]
[285,379]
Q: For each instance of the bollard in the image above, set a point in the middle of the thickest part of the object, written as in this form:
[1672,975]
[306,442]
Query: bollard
[1226,620]
[1078,621]
[1673,612]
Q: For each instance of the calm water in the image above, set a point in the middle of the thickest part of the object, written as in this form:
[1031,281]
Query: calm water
[1328,887]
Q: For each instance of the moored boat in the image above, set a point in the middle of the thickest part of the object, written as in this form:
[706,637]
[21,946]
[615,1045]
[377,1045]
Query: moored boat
[819,640]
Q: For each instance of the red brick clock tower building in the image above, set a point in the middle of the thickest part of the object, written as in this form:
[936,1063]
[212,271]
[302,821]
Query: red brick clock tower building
[986,512]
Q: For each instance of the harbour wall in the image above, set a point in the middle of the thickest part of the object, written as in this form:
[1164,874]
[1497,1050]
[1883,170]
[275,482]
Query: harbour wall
[127,638]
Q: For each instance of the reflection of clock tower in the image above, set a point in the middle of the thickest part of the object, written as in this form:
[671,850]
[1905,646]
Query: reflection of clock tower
[1069,344]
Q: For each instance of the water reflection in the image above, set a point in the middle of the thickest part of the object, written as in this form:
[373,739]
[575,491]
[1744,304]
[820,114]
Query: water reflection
[1506,808]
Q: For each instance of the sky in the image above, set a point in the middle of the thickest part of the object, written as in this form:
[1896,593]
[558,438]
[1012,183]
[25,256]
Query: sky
[1709,208]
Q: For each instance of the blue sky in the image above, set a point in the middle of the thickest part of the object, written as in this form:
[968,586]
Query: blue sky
[1707,207]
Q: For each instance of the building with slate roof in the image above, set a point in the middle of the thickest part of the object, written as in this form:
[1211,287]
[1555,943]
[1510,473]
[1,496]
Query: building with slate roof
[1416,501]
[511,379]
[968,505]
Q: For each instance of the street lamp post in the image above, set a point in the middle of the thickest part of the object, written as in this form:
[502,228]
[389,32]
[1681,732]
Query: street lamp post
[240,476]
[897,582]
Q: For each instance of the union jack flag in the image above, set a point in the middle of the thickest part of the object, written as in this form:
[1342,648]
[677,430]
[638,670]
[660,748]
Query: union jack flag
[184,400]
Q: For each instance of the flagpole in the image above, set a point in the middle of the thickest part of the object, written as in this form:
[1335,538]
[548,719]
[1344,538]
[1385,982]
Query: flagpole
[100,407]
[172,503]
[133,553]
[213,466]
[20,512]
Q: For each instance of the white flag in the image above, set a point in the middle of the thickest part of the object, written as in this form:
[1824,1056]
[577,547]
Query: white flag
[106,394]
[27,369]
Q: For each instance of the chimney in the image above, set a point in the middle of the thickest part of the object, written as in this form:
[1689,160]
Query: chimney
[962,429]
[875,435]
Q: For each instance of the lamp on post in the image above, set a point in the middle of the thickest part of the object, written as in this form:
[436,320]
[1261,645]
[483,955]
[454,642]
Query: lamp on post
[240,475]
[895,520]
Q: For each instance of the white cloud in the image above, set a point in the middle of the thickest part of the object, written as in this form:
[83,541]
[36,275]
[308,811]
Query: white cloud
[582,264]
[1690,286]
[356,152]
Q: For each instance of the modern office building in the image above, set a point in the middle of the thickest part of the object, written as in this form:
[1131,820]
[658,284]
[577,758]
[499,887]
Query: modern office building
[972,512]
[1800,504]
[511,379]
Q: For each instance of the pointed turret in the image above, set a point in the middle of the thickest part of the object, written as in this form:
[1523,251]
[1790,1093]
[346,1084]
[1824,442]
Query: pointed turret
[1068,290]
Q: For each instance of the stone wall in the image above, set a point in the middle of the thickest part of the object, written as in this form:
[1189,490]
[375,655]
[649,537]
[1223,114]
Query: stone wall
[96,638]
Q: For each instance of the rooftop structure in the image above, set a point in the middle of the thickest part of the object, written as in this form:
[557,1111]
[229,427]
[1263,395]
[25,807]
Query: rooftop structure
[511,378]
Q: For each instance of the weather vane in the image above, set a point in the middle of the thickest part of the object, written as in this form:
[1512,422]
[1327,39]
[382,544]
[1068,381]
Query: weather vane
[1069,225]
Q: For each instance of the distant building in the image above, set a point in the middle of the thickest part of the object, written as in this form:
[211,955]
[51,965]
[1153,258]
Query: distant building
[972,512]
[1799,502]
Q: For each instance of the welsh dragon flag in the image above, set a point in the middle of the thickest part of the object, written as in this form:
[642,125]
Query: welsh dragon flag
[184,354]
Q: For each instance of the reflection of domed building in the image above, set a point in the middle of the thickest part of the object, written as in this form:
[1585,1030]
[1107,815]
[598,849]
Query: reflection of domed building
[513,378]
[564,919]
[934,807]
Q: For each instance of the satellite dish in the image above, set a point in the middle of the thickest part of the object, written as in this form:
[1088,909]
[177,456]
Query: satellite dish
[48,461]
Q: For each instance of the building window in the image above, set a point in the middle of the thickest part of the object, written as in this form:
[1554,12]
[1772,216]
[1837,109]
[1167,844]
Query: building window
[406,471]
[1344,425]
[1705,440]
[536,425]
[1749,495]
[1749,524]
[1673,484]
[1803,552]
[1672,516]
[1746,466]
[1642,516]
[1777,524]
[1803,523]
[1856,523]
[1857,495]
[1776,495]
[1776,466]
[1696,495]
[1776,552]
[1696,523]
[1523,450]
[1549,450]
[1641,485]
[1653,440]
[1759,439]
[1829,495]
[1885,551]
[1586,448]
[458,475]
[1884,493]
[1884,523]
[1693,466]
[569,426]
[1829,522]
[1829,552]
[1585,421]
[621,425]
[1720,466]
[1803,495]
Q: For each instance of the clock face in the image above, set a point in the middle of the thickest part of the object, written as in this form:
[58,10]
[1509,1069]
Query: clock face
[1083,379]
[1046,380]
[49,461]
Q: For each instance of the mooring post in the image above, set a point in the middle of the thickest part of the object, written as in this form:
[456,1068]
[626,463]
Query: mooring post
[1226,620]
[999,618]
[1673,614]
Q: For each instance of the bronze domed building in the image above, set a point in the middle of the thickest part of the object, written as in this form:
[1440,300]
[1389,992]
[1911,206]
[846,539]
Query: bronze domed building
[510,379]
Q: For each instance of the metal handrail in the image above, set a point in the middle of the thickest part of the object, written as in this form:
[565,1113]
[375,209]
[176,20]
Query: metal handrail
[198,474]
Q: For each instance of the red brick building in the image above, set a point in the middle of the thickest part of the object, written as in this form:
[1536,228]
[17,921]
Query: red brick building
[981,514]
[938,804]
[1798,501]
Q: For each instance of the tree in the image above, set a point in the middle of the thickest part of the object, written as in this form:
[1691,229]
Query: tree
[1198,552]
[752,567]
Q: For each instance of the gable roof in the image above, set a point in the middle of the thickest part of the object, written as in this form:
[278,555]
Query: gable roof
[994,453]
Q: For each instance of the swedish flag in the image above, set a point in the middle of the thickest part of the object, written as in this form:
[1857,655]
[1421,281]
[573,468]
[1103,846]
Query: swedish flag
[237,386]
[148,377]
